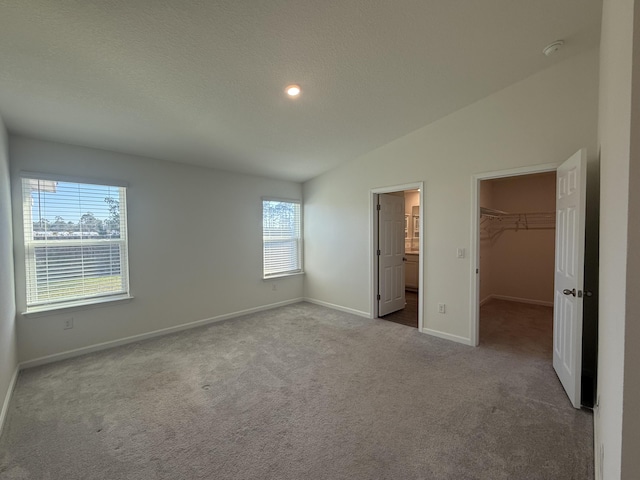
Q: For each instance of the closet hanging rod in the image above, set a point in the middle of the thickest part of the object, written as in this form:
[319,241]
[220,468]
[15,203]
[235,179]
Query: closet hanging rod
[492,213]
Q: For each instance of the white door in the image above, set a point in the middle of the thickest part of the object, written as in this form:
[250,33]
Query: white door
[390,254]
[569,273]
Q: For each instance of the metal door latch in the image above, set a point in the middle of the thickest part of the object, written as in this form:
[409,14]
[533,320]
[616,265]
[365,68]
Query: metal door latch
[573,292]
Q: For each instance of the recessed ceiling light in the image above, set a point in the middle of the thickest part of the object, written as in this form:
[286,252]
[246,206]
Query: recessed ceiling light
[293,90]
[553,48]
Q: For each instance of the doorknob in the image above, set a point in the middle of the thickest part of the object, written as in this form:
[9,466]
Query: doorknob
[566,291]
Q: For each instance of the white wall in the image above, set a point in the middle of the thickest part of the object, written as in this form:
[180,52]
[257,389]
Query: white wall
[195,246]
[614,138]
[522,261]
[8,349]
[617,418]
[542,119]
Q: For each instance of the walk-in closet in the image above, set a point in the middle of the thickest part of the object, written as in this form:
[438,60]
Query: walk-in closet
[517,254]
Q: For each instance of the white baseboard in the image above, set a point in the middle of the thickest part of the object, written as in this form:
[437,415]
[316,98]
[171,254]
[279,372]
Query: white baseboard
[435,333]
[517,299]
[7,397]
[486,299]
[338,307]
[144,336]
[448,336]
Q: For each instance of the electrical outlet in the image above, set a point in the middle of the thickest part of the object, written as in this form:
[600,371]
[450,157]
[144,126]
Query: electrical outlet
[68,323]
[274,287]
[442,308]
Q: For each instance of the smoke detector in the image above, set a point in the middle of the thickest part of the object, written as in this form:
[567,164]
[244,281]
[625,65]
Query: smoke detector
[553,47]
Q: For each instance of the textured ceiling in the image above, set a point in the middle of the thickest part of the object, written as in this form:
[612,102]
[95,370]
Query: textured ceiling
[201,81]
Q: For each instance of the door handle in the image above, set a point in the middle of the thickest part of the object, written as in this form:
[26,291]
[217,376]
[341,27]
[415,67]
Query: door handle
[566,291]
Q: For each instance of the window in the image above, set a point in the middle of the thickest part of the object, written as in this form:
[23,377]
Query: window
[281,237]
[75,238]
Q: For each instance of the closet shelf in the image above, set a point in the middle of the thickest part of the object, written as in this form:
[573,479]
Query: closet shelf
[495,222]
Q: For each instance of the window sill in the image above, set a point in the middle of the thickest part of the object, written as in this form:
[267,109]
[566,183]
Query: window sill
[69,307]
[282,275]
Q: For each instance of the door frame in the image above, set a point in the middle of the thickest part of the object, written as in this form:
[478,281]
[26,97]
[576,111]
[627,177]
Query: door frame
[474,296]
[373,235]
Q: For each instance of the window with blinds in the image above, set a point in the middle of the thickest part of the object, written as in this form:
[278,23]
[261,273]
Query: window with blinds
[75,243]
[281,237]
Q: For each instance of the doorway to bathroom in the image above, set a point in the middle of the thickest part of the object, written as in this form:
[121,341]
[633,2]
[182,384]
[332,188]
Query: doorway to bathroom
[398,254]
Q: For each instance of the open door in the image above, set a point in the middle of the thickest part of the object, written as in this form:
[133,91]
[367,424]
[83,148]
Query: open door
[390,254]
[569,273]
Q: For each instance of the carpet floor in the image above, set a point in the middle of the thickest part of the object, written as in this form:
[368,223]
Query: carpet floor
[301,392]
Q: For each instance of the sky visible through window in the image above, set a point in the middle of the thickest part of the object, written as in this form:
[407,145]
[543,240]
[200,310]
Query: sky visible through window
[67,204]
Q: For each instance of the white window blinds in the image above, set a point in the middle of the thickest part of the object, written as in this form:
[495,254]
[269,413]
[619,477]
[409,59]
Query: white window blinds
[75,243]
[281,237]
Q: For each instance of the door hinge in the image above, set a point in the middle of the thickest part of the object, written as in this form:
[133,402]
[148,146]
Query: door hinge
[477,271]
[378,252]
[378,207]
[378,296]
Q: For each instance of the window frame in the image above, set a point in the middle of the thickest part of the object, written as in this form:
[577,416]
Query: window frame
[298,240]
[29,245]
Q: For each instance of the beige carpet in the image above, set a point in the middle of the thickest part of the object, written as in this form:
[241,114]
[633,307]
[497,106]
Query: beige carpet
[301,392]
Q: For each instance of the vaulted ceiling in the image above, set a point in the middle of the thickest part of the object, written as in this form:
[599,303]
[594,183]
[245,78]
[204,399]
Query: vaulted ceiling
[202,81]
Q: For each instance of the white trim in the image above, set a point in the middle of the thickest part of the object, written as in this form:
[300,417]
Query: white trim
[156,333]
[519,300]
[282,199]
[57,309]
[474,264]
[54,177]
[7,397]
[448,336]
[486,299]
[597,445]
[340,308]
[399,188]
[373,235]
[516,172]
[283,275]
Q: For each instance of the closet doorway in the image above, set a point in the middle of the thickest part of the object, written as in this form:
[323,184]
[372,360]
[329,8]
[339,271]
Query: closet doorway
[517,229]
[517,238]
[398,246]
[520,283]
